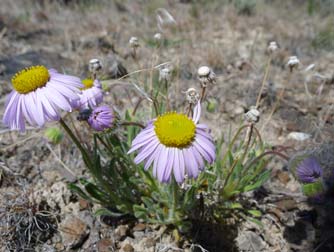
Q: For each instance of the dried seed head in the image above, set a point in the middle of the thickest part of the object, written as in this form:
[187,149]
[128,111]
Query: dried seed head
[134,42]
[293,62]
[272,47]
[253,115]
[164,74]
[94,66]
[157,37]
[203,71]
[206,75]
[192,96]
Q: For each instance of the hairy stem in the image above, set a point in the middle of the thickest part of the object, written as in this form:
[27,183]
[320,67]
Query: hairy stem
[264,81]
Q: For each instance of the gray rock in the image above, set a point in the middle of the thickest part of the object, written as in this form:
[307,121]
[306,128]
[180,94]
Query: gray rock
[127,248]
[250,241]
[105,245]
[74,232]
[121,232]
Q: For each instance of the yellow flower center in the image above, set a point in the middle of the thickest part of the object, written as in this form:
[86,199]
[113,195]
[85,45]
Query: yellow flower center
[88,83]
[175,130]
[30,78]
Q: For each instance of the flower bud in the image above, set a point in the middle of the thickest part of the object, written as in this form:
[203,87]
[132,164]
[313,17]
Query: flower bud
[101,118]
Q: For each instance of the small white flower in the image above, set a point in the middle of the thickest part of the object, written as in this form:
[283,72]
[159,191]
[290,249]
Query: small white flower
[253,115]
[134,42]
[192,96]
[206,75]
[293,62]
[95,65]
[272,47]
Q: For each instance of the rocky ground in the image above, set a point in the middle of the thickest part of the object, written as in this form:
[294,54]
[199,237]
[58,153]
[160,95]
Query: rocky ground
[227,36]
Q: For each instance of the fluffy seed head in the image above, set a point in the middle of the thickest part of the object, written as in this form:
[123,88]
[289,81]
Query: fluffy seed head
[29,79]
[95,65]
[175,130]
[134,42]
[203,71]
[253,115]
[293,62]
[192,96]
[272,47]
[206,76]
[157,37]
[164,74]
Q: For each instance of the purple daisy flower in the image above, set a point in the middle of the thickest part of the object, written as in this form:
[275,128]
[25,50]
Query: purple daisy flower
[38,95]
[101,118]
[175,143]
[91,95]
[309,170]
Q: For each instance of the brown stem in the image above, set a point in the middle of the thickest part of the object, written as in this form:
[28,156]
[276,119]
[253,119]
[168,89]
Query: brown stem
[268,153]
[263,81]
[203,93]
[133,124]
[189,109]
[137,106]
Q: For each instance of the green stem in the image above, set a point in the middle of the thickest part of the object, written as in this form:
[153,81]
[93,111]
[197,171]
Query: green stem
[229,174]
[174,204]
[77,143]
[249,137]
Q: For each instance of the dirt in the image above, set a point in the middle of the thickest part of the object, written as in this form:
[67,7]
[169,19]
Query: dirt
[233,42]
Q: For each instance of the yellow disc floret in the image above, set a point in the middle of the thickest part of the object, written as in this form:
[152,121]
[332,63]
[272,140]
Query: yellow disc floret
[175,130]
[31,78]
[88,83]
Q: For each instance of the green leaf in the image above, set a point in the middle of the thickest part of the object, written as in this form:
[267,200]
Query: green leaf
[236,205]
[259,182]
[140,212]
[313,189]
[95,192]
[255,213]
[257,222]
[79,191]
[104,211]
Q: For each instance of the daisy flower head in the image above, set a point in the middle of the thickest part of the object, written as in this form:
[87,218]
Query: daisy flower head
[101,118]
[175,143]
[91,95]
[38,95]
